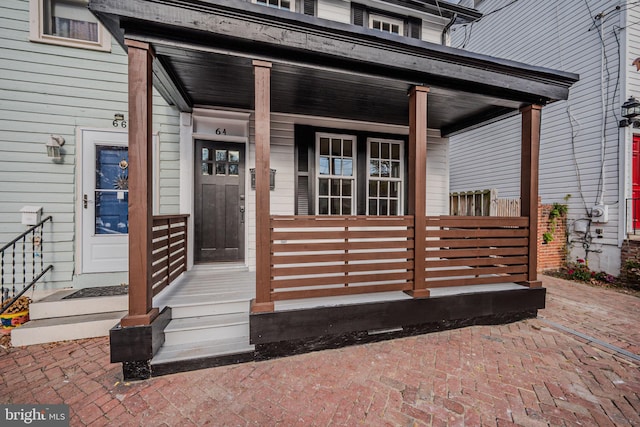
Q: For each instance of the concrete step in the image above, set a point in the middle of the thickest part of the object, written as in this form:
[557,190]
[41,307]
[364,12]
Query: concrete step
[55,306]
[201,350]
[65,328]
[194,306]
[206,328]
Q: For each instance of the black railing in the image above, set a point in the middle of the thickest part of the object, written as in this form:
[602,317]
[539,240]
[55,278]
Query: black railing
[22,264]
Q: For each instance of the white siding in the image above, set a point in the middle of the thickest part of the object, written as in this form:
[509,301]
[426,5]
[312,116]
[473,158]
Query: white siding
[437,176]
[48,89]
[557,35]
[335,10]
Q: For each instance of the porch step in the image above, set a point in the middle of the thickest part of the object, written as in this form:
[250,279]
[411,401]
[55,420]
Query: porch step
[206,328]
[202,350]
[42,331]
[194,306]
[55,306]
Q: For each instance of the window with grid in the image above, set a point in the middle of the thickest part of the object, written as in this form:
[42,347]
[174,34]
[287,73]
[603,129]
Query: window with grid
[335,174]
[278,4]
[386,24]
[384,186]
[67,23]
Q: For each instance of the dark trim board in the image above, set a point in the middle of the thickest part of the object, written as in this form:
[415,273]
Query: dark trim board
[289,348]
[160,369]
[410,314]
[135,346]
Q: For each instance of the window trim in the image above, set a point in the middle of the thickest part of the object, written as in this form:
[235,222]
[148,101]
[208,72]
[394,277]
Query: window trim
[401,179]
[36,32]
[389,20]
[293,3]
[354,176]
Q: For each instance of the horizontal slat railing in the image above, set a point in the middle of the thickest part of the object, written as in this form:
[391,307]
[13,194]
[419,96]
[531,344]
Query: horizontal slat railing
[169,250]
[471,250]
[316,256]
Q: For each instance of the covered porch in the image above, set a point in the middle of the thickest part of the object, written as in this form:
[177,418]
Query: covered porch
[244,57]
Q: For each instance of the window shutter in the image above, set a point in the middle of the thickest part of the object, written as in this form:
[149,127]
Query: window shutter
[357,12]
[415,28]
[309,7]
[304,147]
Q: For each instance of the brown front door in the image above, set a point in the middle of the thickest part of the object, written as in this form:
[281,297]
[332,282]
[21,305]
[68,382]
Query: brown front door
[219,201]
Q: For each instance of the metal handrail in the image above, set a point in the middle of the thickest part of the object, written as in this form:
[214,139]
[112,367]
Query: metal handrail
[34,275]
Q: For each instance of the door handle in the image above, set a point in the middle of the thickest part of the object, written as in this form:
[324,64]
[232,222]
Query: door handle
[241,214]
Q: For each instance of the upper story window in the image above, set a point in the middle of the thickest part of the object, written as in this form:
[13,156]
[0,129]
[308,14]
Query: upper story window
[278,4]
[385,21]
[386,24]
[67,23]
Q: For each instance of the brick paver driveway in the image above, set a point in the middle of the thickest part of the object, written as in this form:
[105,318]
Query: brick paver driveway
[529,373]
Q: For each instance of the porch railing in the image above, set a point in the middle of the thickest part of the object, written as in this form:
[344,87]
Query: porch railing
[22,264]
[169,255]
[464,251]
[316,256]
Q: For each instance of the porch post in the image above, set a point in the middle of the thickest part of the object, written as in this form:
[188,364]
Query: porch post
[529,185]
[262,302]
[141,311]
[418,184]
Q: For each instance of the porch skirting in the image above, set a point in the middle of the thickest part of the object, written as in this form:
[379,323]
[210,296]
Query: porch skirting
[291,332]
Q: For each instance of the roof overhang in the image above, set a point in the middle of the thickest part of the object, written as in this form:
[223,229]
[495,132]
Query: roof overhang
[205,48]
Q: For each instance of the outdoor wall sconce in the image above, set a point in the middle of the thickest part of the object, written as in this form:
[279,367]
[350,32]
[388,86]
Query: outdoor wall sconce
[272,179]
[630,112]
[119,119]
[53,147]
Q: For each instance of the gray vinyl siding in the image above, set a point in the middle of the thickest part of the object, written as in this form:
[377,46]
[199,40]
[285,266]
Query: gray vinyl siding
[557,35]
[47,89]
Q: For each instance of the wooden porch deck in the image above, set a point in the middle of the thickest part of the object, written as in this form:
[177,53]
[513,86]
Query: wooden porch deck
[216,283]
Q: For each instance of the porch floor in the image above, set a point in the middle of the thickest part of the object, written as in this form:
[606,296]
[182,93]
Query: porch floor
[216,283]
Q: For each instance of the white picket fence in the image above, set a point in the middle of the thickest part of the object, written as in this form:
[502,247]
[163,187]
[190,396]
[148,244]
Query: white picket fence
[482,203]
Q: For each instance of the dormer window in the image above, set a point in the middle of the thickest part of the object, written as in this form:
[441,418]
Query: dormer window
[386,24]
[278,4]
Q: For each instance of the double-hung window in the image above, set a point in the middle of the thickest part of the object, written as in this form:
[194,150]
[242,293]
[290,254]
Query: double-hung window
[335,174]
[67,23]
[384,177]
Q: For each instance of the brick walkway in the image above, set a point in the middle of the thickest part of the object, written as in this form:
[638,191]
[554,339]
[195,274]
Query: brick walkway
[526,373]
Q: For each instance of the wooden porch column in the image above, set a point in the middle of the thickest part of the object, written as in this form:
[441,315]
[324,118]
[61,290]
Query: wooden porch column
[141,311]
[262,302]
[418,184]
[529,184]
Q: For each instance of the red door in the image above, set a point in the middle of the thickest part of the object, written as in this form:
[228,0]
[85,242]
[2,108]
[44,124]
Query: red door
[636,182]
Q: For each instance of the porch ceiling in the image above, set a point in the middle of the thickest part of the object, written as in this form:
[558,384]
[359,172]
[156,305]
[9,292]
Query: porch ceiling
[205,50]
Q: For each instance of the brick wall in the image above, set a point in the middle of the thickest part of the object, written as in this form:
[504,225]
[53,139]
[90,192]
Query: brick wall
[551,255]
[630,250]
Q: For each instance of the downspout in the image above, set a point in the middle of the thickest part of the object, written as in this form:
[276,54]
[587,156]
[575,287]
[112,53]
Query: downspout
[445,31]
[604,112]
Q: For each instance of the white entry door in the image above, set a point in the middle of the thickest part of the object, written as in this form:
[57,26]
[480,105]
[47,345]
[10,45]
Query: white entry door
[104,203]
